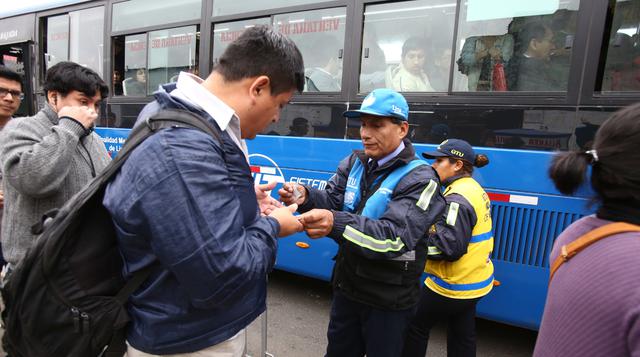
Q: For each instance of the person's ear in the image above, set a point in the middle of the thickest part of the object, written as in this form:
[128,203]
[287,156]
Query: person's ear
[52,98]
[259,86]
[404,129]
[459,165]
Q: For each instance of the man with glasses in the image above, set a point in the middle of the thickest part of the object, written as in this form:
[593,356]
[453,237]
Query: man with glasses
[10,97]
[532,64]
[10,94]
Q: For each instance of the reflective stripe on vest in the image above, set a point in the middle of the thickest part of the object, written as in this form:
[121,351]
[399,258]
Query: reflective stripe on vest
[461,287]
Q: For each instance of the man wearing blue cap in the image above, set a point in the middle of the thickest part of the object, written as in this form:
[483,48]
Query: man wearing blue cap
[377,207]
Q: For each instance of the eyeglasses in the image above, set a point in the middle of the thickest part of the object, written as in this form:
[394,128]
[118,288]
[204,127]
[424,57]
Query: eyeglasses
[14,93]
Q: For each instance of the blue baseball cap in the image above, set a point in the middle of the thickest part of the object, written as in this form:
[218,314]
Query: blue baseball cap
[382,102]
[455,148]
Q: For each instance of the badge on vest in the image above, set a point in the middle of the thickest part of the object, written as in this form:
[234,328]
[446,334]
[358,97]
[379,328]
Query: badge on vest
[349,196]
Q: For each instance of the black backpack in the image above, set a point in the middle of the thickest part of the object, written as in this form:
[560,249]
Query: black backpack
[67,297]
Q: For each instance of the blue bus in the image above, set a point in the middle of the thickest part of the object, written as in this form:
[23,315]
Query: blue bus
[518,80]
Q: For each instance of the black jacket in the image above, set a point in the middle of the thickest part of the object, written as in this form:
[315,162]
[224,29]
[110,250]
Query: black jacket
[390,279]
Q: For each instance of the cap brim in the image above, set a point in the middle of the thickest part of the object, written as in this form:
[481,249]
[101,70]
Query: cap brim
[359,113]
[433,154]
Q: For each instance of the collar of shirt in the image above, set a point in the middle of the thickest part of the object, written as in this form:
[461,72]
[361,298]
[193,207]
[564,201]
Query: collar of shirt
[189,88]
[395,153]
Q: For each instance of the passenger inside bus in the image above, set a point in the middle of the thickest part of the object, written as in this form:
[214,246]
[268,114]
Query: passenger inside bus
[530,69]
[622,69]
[409,75]
[438,70]
[481,57]
[324,70]
[299,127]
[136,85]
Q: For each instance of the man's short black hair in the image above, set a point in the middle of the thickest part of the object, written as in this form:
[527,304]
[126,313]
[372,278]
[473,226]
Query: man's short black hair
[65,77]
[6,73]
[262,51]
[413,44]
[534,30]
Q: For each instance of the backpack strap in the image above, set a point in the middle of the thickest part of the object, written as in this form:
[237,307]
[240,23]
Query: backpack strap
[568,251]
[168,118]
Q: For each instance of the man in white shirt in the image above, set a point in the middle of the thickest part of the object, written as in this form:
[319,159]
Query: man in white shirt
[185,204]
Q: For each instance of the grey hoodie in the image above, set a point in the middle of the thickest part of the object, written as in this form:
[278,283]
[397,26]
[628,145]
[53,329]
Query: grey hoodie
[44,162]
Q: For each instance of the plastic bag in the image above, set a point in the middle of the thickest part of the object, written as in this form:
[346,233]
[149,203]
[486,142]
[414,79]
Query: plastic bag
[499,78]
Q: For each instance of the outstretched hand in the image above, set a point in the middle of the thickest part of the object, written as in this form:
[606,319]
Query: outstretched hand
[289,223]
[266,203]
[292,193]
[317,222]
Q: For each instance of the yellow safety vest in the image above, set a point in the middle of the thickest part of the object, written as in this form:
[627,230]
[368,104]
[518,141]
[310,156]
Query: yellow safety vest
[471,276]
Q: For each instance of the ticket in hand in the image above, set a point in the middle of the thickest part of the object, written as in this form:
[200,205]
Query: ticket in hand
[296,192]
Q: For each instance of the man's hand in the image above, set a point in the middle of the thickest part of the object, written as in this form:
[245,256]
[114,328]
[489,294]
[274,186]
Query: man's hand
[289,223]
[1,199]
[85,116]
[317,222]
[291,193]
[266,203]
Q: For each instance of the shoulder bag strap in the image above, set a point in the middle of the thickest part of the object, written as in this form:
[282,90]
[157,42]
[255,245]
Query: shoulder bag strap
[568,251]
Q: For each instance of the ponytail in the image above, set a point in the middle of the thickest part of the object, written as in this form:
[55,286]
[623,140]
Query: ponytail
[568,170]
[467,167]
[481,160]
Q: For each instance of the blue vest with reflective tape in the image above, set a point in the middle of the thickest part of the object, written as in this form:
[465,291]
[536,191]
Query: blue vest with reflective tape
[376,205]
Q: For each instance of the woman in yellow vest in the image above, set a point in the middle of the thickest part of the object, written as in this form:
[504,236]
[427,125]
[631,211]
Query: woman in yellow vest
[459,269]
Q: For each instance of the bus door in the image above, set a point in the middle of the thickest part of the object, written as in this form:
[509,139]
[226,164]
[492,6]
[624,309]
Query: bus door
[17,38]
[18,57]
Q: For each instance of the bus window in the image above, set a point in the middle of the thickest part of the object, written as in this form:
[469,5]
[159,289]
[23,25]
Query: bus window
[407,46]
[232,7]
[57,47]
[320,121]
[76,36]
[540,129]
[170,52]
[319,35]
[86,37]
[622,54]
[512,47]
[120,115]
[132,14]
[129,75]
[142,62]
[225,33]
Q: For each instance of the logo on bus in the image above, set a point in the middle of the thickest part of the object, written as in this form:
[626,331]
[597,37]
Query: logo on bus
[264,169]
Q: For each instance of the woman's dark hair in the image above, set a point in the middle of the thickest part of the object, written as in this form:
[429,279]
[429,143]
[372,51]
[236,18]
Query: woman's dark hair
[616,173]
[262,51]
[65,77]
[480,160]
